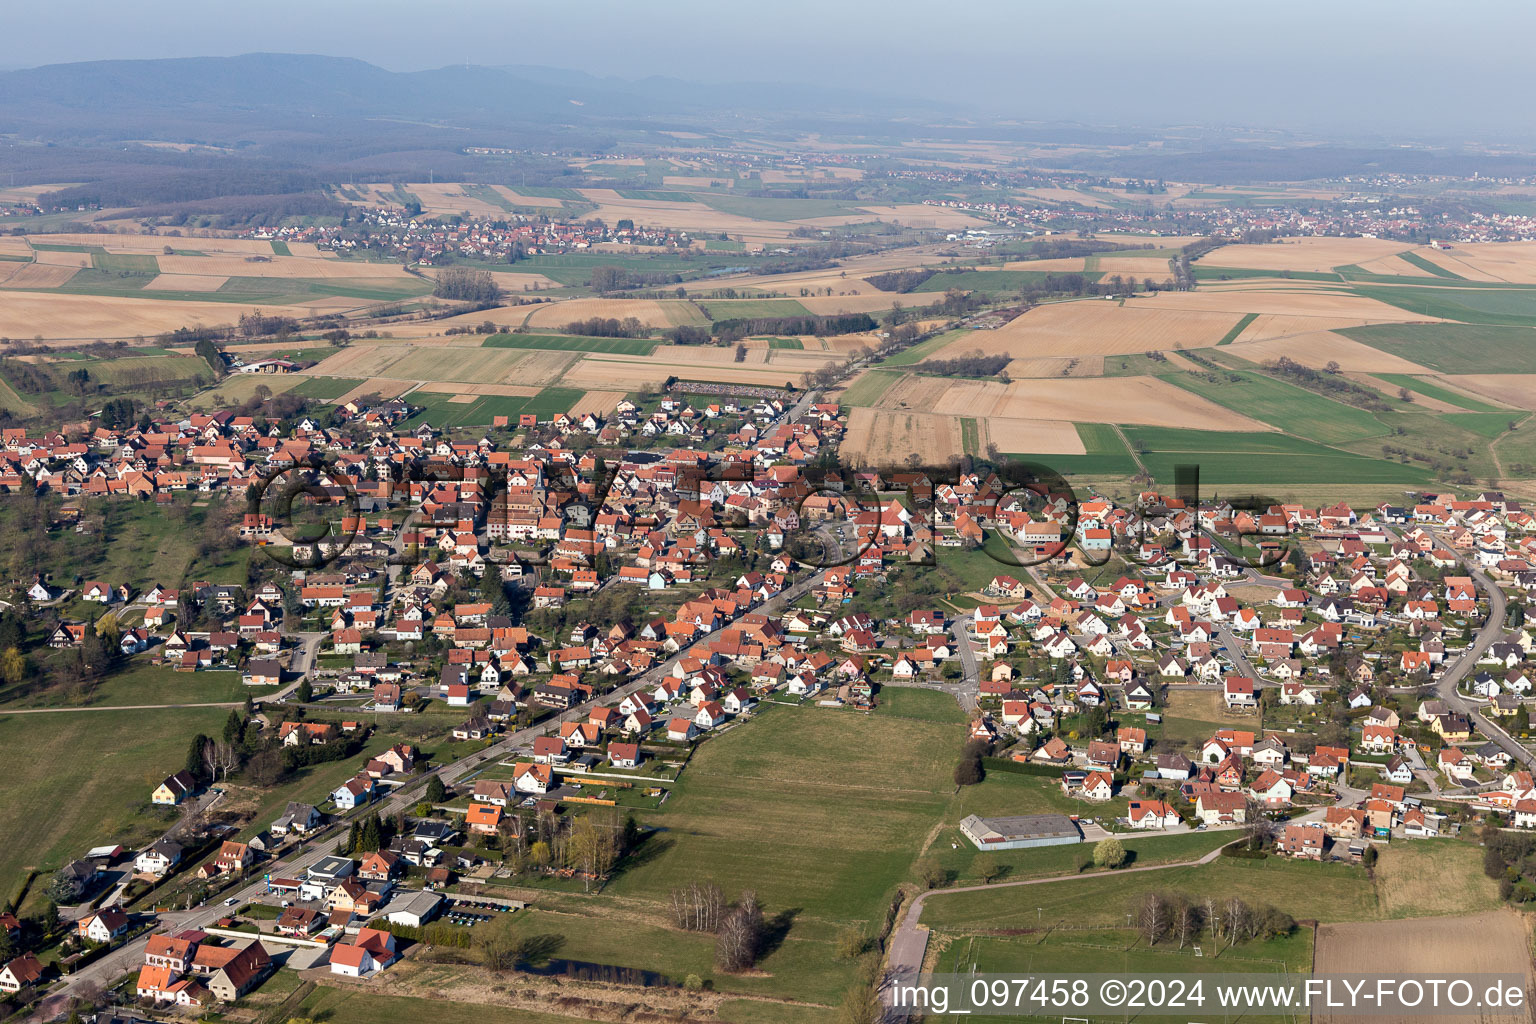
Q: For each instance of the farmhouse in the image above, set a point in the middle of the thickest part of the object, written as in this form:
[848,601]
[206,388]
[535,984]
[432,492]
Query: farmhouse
[1020,832]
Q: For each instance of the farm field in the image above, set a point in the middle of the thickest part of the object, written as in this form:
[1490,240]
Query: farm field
[1496,941]
[1454,348]
[1262,460]
[1100,328]
[1287,407]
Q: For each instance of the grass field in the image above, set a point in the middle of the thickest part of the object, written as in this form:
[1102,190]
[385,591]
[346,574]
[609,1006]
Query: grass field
[1261,459]
[1430,389]
[869,388]
[1292,409]
[570,343]
[441,410]
[922,350]
[1454,348]
[1238,328]
[811,788]
[1469,302]
[1434,268]
[1105,454]
[52,815]
[139,682]
[730,309]
[992,281]
[1303,890]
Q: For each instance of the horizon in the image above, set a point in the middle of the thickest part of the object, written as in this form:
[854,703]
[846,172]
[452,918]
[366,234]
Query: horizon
[1417,77]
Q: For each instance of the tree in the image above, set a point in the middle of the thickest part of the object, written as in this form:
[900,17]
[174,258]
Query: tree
[436,791]
[861,1005]
[987,867]
[194,765]
[13,666]
[740,936]
[1153,917]
[305,692]
[930,872]
[1108,853]
[233,726]
[697,906]
[851,942]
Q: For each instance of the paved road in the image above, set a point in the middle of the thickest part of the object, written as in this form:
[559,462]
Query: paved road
[132,954]
[1491,633]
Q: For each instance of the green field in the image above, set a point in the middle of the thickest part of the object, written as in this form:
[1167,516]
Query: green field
[924,349]
[1429,389]
[994,280]
[869,387]
[140,682]
[1434,268]
[572,343]
[970,436]
[1238,328]
[731,309]
[51,815]
[441,411]
[1204,272]
[1454,348]
[1469,302]
[280,248]
[1484,424]
[1320,891]
[786,343]
[1106,455]
[656,196]
[1233,457]
[1290,408]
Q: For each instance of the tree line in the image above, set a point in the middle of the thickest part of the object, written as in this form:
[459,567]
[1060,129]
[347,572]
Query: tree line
[462,284]
[735,328]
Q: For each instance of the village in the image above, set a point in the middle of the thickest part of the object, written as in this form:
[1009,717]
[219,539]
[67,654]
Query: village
[579,604]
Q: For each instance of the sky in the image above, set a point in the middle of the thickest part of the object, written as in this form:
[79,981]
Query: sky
[1407,68]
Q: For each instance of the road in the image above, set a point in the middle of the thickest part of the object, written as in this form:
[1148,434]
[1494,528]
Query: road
[909,942]
[1491,633]
[405,797]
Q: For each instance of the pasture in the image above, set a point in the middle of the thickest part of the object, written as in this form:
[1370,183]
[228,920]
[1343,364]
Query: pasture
[52,816]
[1289,408]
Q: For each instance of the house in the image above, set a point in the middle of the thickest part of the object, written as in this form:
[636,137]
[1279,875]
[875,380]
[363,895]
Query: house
[237,971]
[1239,693]
[104,925]
[1132,740]
[234,857]
[682,730]
[1304,842]
[1152,814]
[355,792]
[158,860]
[175,789]
[173,952]
[1221,808]
[624,755]
[17,974]
[298,818]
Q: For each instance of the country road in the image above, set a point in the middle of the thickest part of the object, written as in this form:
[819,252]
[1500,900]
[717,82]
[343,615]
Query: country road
[909,943]
[323,844]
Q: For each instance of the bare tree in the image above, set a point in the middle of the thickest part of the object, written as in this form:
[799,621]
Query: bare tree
[1187,919]
[740,936]
[1152,917]
[698,907]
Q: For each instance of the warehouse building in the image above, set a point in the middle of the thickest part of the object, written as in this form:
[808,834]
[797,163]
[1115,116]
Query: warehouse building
[1021,832]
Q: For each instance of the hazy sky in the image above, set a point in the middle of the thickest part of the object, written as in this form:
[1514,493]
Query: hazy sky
[1406,66]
